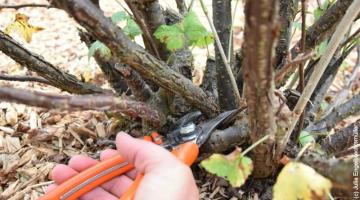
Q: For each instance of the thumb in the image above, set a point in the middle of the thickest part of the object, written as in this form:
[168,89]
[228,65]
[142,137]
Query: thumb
[146,156]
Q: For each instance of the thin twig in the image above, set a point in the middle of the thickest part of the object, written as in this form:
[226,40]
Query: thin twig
[280,75]
[352,37]
[231,32]
[191,5]
[32,5]
[24,78]
[222,53]
[301,65]
[335,41]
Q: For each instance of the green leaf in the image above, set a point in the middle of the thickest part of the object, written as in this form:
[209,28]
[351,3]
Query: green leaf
[305,138]
[318,12]
[321,48]
[99,46]
[233,167]
[324,105]
[119,16]
[173,36]
[196,33]
[132,29]
[299,181]
[297,25]
[325,5]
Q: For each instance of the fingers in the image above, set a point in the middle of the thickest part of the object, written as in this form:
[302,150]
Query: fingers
[61,173]
[81,162]
[108,153]
[146,156]
[51,187]
[118,186]
[98,193]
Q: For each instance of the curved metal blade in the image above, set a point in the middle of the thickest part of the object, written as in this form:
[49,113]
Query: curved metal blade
[209,126]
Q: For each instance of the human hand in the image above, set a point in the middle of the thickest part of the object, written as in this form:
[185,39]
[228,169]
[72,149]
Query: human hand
[165,177]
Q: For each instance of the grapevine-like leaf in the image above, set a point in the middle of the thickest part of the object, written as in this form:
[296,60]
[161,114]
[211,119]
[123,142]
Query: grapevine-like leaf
[190,30]
[99,46]
[233,167]
[21,25]
[297,25]
[119,16]
[132,29]
[318,12]
[173,36]
[321,48]
[299,181]
[195,32]
[305,138]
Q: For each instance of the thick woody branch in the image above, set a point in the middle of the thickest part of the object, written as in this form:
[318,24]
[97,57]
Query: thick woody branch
[341,140]
[287,14]
[222,140]
[338,171]
[36,63]
[351,107]
[86,102]
[181,5]
[134,55]
[259,82]
[139,89]
[223,22]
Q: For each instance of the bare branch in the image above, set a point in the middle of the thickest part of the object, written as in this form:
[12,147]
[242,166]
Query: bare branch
[339,113]
[36,63]
[181,5]
[223,22]
[85,102]
[261,19]
[301,65]
[287,14]
[32,5]
[338,171]
[341,30]
[23,78]
[341,140]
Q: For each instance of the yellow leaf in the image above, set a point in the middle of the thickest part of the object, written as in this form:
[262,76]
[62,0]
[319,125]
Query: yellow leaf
[299,181]
[21,25]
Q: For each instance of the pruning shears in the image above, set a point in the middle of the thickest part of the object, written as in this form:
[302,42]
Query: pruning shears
[184,142]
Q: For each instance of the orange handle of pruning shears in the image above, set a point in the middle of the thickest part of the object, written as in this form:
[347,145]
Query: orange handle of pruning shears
[89,179]
[108,169]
